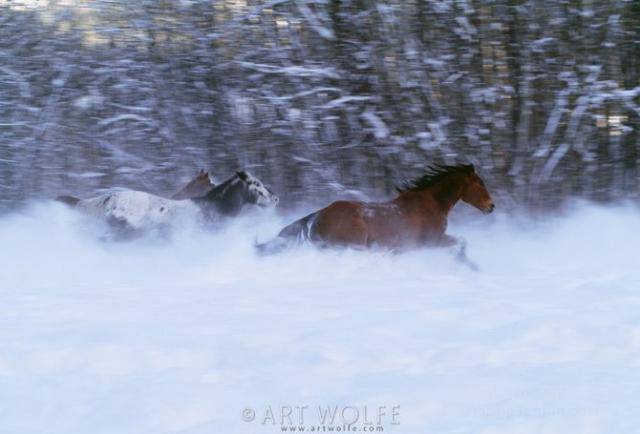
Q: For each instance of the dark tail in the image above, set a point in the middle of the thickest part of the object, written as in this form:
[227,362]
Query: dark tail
[296,233]
[69,200]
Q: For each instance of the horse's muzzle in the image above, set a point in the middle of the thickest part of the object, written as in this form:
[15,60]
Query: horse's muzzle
[273,201]
[489,209]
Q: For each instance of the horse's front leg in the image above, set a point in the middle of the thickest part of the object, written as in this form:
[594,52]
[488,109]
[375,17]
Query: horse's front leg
[459,247]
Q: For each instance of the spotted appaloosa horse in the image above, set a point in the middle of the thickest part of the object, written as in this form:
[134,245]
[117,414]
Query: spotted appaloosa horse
[417,217]
[197,187]
[132,212]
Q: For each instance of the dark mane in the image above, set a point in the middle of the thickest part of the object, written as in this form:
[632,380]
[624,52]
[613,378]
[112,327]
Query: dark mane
[435,174]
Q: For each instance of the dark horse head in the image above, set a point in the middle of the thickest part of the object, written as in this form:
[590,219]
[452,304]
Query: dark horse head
[229,197]
[450,183]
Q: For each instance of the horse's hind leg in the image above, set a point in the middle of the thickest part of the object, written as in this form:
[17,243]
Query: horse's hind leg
[276,245]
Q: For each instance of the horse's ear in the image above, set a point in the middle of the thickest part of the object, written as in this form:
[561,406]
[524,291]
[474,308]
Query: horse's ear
[242,174]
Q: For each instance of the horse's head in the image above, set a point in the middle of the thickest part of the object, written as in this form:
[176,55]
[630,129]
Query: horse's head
[255,192]
[475,193]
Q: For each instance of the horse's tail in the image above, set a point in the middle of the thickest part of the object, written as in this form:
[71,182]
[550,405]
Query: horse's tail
[69,200]
[301,230]
[296,233]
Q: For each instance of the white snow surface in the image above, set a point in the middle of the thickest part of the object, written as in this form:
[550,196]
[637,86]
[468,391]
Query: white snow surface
[179,336]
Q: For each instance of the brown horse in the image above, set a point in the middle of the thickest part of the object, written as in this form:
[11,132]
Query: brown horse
[417,217]
[197,187]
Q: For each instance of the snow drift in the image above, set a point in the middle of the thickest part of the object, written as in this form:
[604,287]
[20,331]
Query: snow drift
[180,336]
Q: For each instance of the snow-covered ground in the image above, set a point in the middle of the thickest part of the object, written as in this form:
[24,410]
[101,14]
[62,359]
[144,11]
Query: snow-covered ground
[183,336]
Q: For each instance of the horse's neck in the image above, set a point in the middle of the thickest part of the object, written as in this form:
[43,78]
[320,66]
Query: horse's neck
[199,188]
[448,192]
[225,198]
[445,194]
[192,189]
[193,185]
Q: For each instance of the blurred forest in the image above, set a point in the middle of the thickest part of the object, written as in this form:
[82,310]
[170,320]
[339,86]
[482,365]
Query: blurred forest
[320,98]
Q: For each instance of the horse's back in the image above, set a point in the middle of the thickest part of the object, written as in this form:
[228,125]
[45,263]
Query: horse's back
[342,223]
[365,224]
[138,209]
